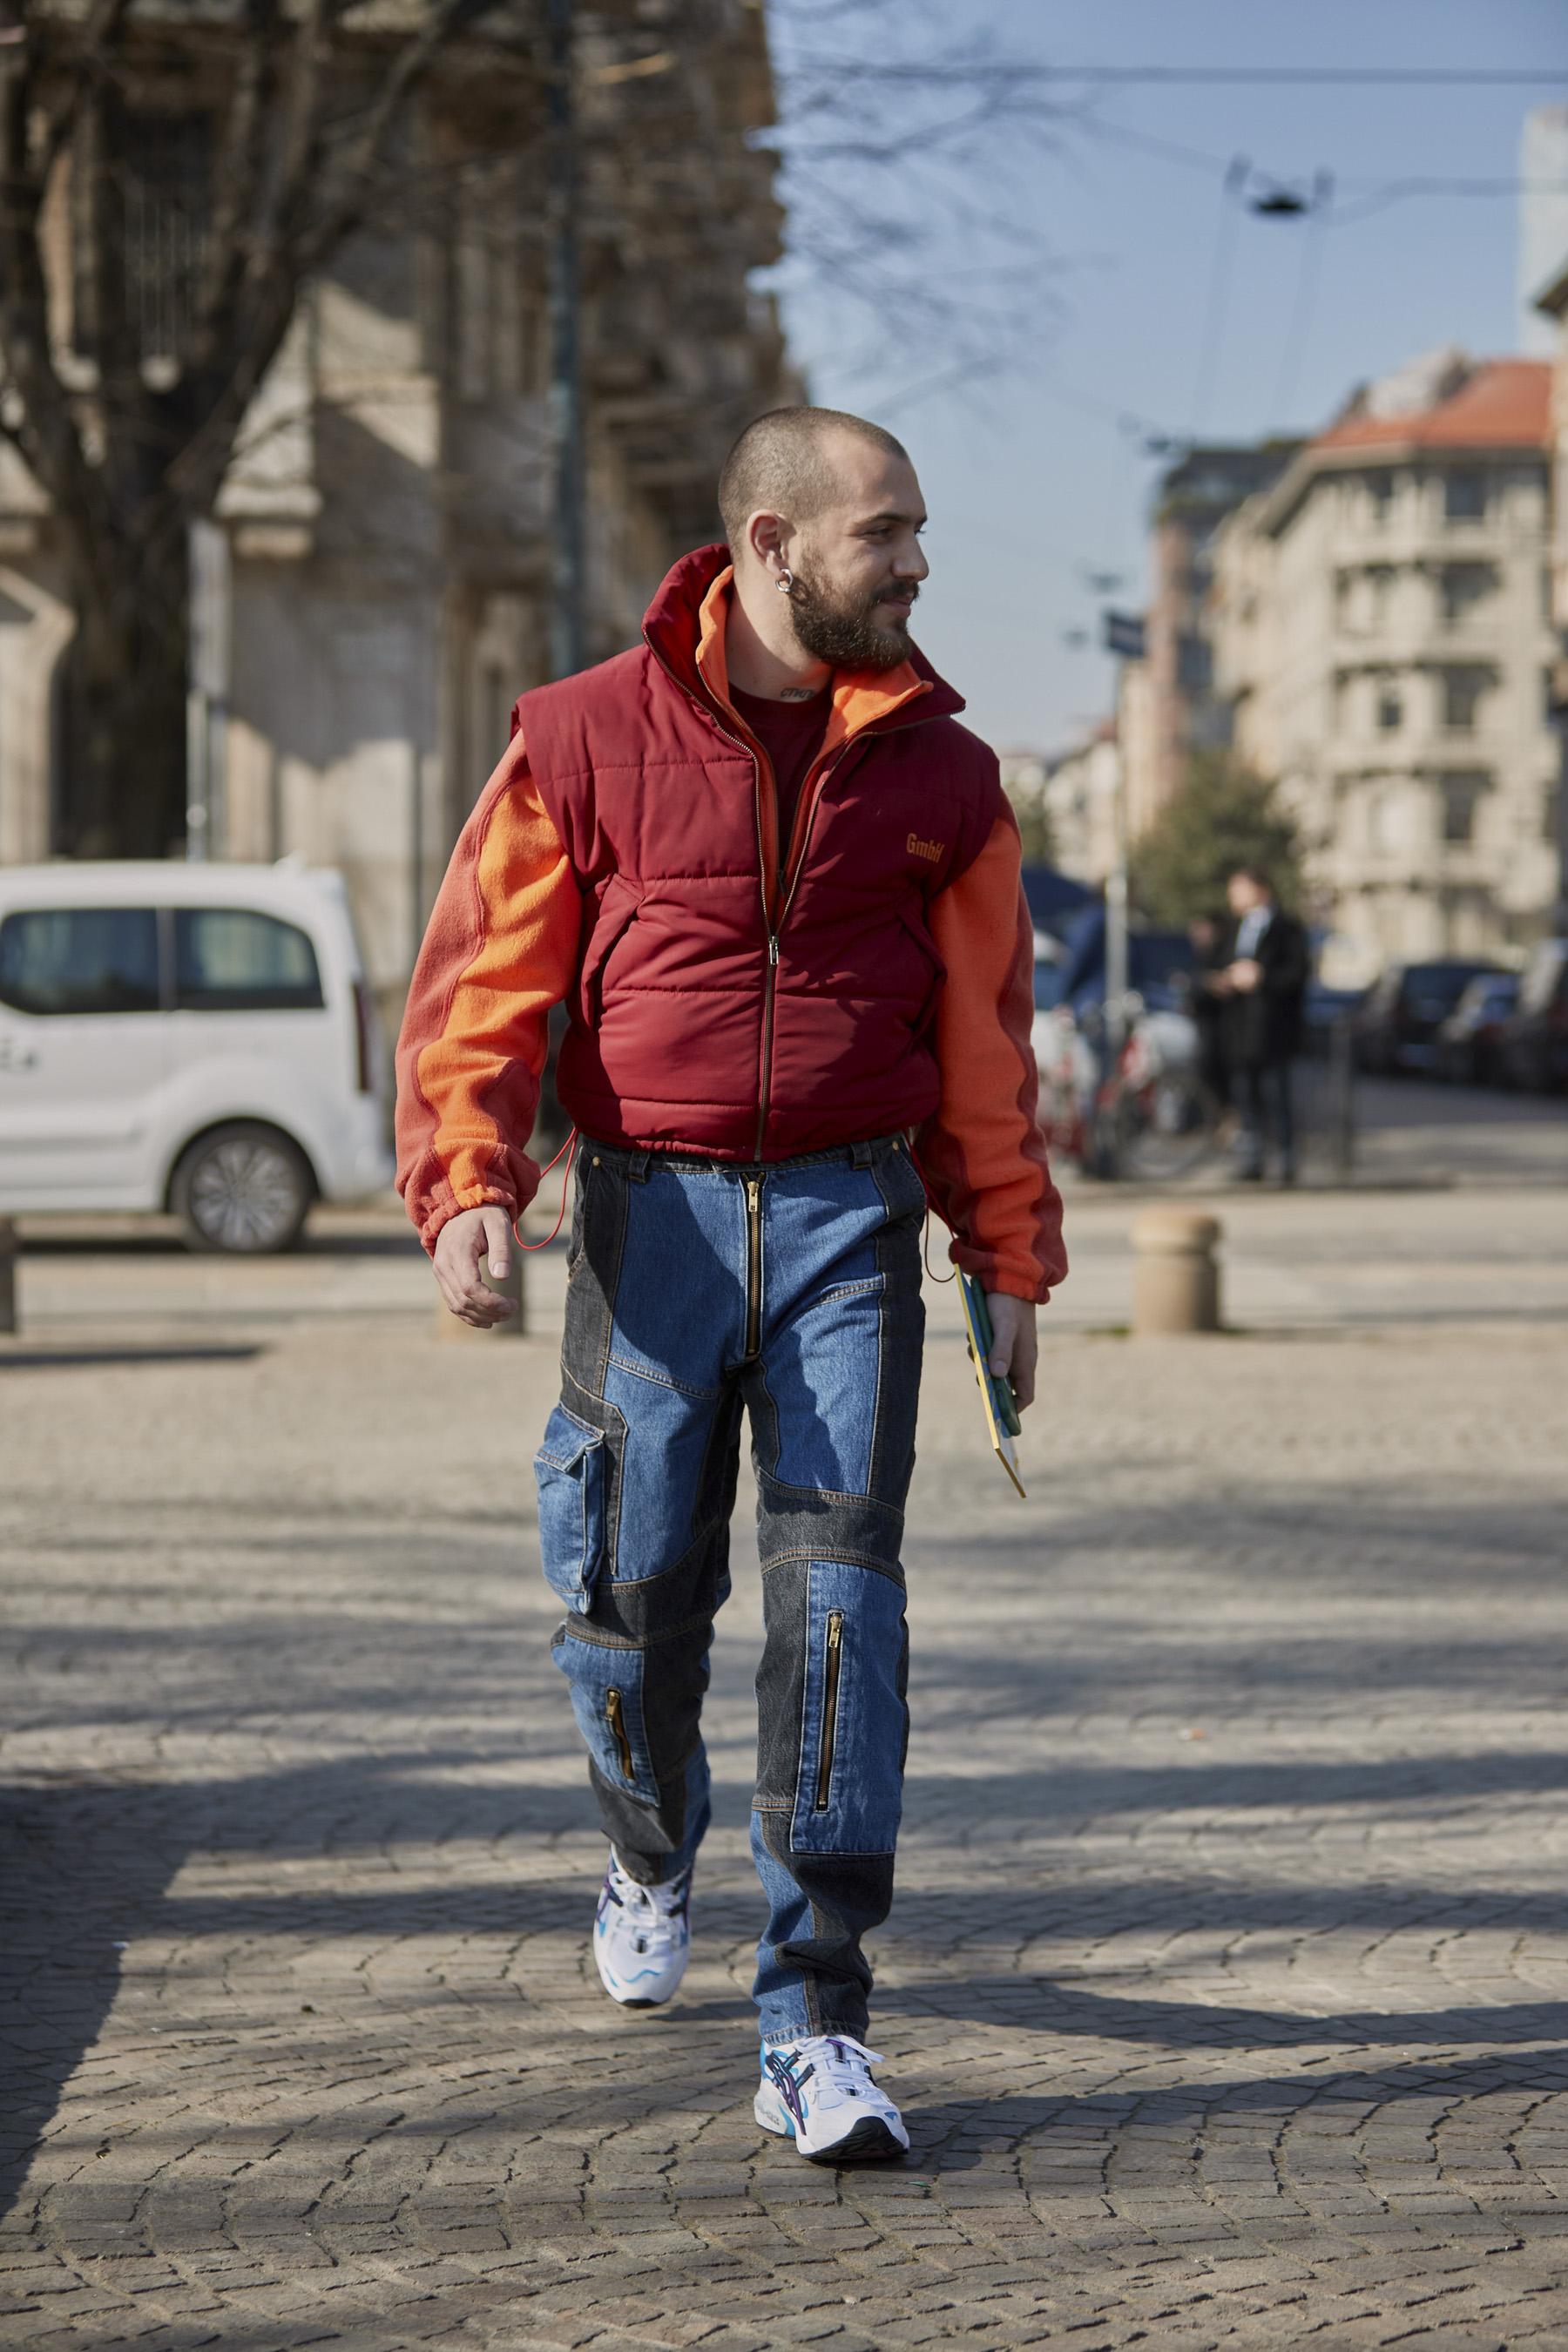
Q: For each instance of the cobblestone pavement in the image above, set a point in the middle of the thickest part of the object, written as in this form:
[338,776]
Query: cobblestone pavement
[1226,1988]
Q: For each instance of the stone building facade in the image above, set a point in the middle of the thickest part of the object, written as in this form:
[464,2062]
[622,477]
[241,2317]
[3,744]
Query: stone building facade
[1381,626]
[376,590]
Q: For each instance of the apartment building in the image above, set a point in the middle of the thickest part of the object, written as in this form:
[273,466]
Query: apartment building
[1381,624]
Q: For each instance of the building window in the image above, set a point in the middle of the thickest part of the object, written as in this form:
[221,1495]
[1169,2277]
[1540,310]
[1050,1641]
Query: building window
[1384,830]
[1195,664]
[1460,792]
[1390,709]
[161,173]
[1380,495]
[1465,496]
[1464,586]
[1462,692]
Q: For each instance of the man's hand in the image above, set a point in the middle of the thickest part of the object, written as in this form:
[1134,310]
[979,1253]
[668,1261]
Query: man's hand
[462,1246]
[1014,1344]
[1245,975]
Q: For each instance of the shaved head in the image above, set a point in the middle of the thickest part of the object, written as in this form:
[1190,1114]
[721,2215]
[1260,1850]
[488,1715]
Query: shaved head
[783,463]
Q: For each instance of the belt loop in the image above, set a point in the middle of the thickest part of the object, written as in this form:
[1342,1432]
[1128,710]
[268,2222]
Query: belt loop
[859,1155]
[638,1166]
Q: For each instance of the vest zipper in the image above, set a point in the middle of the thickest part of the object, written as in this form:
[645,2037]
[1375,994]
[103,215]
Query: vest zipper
[754,1267]
[617,1723]
[830,1709]
[765,1079]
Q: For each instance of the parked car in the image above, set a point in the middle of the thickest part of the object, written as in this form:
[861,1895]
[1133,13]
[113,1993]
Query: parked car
[1323,1011]
[198,1038]
[1469,1042]
[1396,1028]
[1534,1048]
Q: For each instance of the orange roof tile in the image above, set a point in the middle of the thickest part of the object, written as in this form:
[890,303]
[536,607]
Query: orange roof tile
[1504,404]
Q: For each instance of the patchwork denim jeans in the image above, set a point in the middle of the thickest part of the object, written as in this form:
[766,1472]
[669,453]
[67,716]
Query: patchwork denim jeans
[790,1294]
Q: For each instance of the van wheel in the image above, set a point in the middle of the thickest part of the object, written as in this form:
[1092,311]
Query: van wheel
[243,1188]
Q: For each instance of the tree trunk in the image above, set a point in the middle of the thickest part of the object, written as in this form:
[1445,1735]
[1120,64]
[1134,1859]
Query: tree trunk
[124,730]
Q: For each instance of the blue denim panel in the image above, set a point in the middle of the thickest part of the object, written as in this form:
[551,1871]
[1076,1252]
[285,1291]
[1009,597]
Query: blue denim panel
[681,1298]
[822,1324]
[594,1669]
[785,2008]
[865,1791]
[668,1433]
[569,1472]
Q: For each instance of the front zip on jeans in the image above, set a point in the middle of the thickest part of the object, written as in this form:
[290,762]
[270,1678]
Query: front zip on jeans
[829,1707]
[617,1723]
[754,1267]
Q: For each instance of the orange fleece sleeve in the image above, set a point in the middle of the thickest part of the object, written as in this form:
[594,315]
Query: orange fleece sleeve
[499,951]
[983,1151]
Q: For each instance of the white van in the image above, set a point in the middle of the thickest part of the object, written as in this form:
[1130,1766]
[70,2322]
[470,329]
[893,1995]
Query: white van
[198,1038]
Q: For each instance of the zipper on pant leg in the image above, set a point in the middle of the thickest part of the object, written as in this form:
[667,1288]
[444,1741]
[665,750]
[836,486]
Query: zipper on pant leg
[754,1267]
[832,1662]
[616,1720]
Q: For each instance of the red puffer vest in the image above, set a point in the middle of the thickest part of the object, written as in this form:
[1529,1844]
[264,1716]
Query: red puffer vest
[731,1002]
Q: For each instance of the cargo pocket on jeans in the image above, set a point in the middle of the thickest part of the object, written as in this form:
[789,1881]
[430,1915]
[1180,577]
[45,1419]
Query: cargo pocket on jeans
[569,1472]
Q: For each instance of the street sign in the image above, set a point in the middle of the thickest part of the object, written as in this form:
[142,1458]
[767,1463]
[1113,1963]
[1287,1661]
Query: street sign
[1124,634]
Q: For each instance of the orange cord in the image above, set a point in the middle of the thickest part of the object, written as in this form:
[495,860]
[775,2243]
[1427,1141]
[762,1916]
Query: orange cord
[930,1204]
[565,1180]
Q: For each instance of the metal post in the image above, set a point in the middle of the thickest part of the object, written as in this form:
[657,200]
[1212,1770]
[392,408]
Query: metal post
[568,647]
[206,700]
[1341,1100]
[8,1255]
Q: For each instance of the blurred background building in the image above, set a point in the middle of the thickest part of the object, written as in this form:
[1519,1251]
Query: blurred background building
[376,589]
[1381,636]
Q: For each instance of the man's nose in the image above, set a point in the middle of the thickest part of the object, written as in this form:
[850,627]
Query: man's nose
[912,564]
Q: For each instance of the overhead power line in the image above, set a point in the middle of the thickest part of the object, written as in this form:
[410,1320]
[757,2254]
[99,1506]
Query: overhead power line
[978,70]
[1327,74]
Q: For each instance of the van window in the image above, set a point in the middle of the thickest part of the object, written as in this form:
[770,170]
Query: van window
[81,959]
[231,959]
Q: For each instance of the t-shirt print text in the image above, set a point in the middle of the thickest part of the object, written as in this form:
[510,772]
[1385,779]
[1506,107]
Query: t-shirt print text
[933,850]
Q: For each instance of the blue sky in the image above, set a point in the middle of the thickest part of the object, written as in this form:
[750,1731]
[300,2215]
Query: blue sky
[1148,308]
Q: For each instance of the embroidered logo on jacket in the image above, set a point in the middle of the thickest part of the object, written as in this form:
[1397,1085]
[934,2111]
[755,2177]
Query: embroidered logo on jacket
[931,849]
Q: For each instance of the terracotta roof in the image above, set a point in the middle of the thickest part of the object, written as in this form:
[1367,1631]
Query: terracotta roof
[1504,404]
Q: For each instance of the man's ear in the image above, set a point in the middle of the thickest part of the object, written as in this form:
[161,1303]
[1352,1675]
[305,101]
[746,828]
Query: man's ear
[765,536]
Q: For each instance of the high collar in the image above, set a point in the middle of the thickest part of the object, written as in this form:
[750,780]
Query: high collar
[685,627]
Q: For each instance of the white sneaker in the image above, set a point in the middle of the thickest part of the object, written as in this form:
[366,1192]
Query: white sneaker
[642,1937]
[820,2093]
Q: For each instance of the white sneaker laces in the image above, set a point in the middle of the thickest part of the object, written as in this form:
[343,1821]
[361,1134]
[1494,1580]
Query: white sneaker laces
[837,2066]
[652,1911]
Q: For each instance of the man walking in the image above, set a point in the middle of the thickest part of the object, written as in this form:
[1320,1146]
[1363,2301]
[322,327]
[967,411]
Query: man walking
[776,885]
[1262,988]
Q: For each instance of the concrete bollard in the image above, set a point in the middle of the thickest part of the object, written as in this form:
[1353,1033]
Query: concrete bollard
[1175,1282]
[452,1327]
[9,1252]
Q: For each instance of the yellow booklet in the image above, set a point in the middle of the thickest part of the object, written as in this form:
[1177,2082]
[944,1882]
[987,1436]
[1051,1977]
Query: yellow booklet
[1000,1408]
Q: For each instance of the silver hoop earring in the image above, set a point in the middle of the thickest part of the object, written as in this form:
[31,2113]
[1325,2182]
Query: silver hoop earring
[786,581]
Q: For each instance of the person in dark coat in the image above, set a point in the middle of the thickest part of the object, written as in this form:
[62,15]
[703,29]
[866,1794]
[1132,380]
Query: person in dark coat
[1208,940]
[1262,989]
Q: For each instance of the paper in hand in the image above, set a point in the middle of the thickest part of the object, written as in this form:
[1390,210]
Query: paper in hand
[1000,1408]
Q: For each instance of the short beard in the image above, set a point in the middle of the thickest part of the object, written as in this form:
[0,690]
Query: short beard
[845,634]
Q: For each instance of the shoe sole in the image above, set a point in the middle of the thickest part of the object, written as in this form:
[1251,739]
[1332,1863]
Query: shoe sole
[870,2142]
